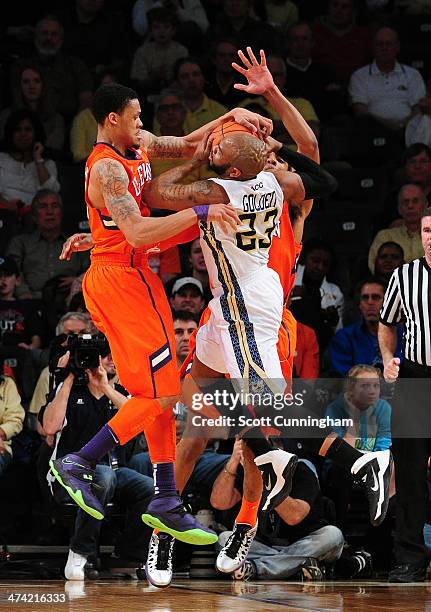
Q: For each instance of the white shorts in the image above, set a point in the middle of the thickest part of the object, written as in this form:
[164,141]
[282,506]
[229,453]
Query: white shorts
[240,338]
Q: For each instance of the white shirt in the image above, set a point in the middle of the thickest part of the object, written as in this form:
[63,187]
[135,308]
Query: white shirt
[259,203]
[388,95]
[19,180]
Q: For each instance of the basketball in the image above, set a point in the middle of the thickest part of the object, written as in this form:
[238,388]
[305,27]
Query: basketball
[227,128]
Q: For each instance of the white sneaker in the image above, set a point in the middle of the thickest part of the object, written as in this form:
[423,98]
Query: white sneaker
[374,471]
[277,467]
[234,552]
[159,561]
[74,569]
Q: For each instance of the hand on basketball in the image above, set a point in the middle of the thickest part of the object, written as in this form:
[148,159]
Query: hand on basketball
[258,76]
[202,153]
[260,126]
[391,370]
[76,243]
[224,214]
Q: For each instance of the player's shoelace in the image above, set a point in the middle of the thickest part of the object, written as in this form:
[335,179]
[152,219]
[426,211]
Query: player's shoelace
[239,542]
[164,553]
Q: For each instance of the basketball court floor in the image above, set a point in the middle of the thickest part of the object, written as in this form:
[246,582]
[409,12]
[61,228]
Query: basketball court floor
[213,595]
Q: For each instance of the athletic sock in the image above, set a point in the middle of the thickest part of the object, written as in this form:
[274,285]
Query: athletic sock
[342,453]
[248,512]
[164,479]
[99,445]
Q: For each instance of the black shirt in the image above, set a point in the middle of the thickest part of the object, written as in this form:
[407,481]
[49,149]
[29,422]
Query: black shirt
[274,531]
[19,321]
[85,415]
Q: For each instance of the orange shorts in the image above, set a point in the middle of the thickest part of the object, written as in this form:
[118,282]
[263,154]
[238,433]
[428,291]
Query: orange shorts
[130,307]
[287,344]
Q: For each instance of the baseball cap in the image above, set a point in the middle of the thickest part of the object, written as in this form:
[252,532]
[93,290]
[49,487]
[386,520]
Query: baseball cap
[8,266]
[186,280]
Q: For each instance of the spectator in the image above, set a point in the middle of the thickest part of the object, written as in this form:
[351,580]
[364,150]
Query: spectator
[296,536]
[339,42]
[234,21]
[386,91]
[90,29]
[416,170]
[67,77]
[23,170]
[185,324]
[190,14]
[306,362]
[315,301]
[418,129]
[277,67]
[307,79]
[37,254]
[154,61]
[70,323]
[357,343]
[222,76]
[73,414]
[198,267]
[187,294]
[33,95]
[11,419]
[370,431]
[200,108]
[389,256]
[280,14]
[411,203]
[83,133]
[20,322]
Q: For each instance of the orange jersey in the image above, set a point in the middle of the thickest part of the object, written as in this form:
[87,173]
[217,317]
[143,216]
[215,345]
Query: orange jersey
[284,253]
[107,237]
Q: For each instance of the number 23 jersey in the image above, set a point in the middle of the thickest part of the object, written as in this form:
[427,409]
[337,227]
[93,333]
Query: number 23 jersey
[240,253]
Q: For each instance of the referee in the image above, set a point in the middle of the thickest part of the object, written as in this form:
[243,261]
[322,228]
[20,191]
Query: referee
[408,298]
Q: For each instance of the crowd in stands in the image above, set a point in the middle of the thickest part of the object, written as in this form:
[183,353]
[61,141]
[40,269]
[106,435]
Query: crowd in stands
[359,72]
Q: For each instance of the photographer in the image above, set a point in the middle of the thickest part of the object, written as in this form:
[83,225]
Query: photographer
[76,409]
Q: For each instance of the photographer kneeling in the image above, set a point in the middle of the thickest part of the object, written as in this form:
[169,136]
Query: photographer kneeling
[82,401]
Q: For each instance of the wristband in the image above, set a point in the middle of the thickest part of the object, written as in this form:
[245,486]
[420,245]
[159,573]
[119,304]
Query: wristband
[201,212]
[230,473]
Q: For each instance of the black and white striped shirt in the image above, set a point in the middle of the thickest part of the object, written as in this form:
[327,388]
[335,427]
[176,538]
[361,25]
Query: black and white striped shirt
[408,298]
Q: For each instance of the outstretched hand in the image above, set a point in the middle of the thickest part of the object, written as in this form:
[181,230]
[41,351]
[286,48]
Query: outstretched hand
[258,76]
[75,244]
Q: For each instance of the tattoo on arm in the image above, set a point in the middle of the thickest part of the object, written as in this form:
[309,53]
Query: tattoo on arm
[166,147]
[114,184]
[200,192]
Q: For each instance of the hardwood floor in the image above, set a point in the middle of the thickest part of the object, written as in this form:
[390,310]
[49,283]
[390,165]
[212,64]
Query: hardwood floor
[214,595]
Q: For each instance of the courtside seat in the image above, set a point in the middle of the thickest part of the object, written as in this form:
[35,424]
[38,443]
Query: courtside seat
[365,185]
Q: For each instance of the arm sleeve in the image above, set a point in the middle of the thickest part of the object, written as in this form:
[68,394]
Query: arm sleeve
[358,89]
[391,309]
[316,180]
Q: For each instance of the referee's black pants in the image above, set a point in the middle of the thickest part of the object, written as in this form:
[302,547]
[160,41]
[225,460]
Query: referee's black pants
[411,461]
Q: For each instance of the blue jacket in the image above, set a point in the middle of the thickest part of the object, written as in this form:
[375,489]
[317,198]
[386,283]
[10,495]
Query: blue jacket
[374,423]
[354,345]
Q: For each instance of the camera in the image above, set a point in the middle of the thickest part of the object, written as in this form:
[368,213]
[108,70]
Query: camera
[84,352]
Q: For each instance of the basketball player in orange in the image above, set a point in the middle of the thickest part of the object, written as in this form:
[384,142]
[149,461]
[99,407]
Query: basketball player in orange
[127,301]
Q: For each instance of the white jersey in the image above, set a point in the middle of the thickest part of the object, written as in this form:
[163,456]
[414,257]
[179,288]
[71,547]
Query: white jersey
[239,254]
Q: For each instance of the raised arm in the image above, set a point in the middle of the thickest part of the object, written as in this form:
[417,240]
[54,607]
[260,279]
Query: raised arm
[260,82]
[113,182]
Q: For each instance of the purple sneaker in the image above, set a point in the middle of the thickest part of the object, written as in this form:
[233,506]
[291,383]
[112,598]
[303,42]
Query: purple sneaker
[167,513]
[75,474]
